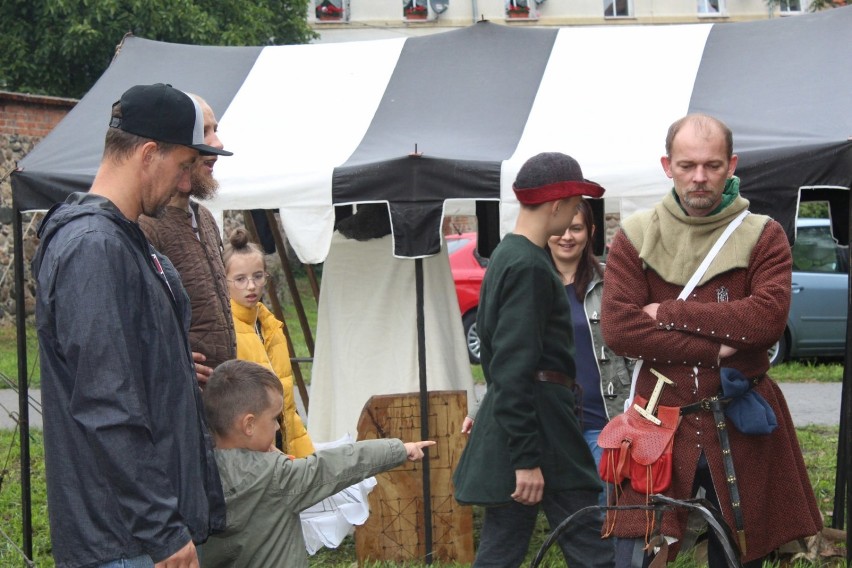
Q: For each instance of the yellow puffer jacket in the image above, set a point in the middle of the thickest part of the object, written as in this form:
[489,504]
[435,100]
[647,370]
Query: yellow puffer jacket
[272,353]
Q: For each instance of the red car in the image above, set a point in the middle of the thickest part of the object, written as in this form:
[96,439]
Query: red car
[468,269]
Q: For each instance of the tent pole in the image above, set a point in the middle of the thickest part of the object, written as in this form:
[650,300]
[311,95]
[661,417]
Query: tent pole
[291,281]
[279,313]
[424,409]
[23,387]
[843,480]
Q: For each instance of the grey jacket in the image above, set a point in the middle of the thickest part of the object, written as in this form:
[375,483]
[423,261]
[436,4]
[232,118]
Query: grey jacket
[130,467]
[266,491]
[616,371]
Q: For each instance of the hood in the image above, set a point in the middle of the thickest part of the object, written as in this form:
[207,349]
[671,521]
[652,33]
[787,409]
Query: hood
[80,205]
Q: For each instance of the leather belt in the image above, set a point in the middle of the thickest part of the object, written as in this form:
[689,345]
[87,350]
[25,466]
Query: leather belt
[703,404]
[566,381]
[554,377]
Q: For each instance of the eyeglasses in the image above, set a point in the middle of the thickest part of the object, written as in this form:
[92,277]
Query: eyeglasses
[241,282]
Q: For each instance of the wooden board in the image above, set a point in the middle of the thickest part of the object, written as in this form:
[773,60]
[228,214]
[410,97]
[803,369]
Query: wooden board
[395,529]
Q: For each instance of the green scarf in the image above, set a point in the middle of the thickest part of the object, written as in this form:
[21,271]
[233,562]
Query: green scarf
[731,192]
[673,244]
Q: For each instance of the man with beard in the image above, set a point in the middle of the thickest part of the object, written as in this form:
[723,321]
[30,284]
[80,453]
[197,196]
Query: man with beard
[734,436]
[131,477]
[187,233]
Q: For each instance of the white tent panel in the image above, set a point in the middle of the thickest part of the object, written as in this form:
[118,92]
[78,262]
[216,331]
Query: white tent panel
[325,94]
[612,80]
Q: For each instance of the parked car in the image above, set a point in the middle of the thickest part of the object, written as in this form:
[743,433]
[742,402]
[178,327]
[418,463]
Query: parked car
[816,326]
[468,269]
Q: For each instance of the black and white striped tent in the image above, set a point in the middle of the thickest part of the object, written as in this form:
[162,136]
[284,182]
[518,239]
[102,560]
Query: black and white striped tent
[312,126]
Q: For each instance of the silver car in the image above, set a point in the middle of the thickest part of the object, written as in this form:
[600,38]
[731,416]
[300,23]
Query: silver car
[816,326]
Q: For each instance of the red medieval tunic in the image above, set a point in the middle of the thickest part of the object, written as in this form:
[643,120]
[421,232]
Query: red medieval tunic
[742,302]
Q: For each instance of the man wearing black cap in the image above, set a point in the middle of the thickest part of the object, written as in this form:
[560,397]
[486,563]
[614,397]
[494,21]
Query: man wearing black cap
[130,472]
[526,447]
[186,232]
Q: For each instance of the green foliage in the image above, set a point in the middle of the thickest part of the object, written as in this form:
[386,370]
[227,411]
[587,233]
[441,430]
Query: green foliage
[815,5]
[813,209]
[61,47]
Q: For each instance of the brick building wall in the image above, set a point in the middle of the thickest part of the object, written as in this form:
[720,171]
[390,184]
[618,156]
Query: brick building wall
[24,120]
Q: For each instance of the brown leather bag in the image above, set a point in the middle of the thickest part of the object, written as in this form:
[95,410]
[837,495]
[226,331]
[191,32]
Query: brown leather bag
[637,449]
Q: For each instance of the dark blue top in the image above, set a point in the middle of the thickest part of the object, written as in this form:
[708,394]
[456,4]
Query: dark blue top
[588,375]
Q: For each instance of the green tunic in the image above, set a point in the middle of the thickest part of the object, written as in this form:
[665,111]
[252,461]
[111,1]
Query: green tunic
[524,324]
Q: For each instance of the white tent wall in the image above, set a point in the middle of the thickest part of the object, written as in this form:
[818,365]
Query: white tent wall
[367,333]
[316,101]
[610,107]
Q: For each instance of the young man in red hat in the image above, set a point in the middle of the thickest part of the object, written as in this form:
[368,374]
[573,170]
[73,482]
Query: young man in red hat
[526,448]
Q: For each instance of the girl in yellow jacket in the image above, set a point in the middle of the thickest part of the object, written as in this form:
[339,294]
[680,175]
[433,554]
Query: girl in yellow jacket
[260,335]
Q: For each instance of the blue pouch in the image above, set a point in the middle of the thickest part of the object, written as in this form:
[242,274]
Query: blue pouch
[748,411]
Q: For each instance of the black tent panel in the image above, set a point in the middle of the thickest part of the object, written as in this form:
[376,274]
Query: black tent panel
[453,111]
[787,133]
[66,159]
[745,79]
[772,178]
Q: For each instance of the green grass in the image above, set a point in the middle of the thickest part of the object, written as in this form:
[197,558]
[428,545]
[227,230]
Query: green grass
[801,371]
[819,447]
[9,355]
[808,371]
[10,501]
[9,339]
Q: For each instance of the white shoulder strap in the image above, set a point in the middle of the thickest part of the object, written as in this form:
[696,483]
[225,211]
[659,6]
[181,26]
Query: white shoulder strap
[690,285]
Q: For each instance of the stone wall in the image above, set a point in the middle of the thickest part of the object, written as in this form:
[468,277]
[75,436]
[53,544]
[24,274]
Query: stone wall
[24,120]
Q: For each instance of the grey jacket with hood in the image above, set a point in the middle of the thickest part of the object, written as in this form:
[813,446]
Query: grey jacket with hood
[130,469]
[616,371]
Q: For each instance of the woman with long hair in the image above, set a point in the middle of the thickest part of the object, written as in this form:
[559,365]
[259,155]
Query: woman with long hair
[603,376]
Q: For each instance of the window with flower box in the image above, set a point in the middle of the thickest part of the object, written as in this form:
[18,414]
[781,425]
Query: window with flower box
[519,9]
[330,10]
[415,9]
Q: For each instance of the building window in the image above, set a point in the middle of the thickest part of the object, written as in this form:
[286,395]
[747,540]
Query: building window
[518,9]
[618,8]
[330,10]
[711,7]
[789,6]
[415,9]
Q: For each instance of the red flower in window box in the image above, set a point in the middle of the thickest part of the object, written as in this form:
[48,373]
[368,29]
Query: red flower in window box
[416,12]
[328,11]
[518,11]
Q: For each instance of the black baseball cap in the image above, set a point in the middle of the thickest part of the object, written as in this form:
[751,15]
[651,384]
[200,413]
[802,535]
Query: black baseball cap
[165,114]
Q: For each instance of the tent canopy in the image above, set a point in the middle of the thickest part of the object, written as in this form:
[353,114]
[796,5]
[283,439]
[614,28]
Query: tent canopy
[416,122]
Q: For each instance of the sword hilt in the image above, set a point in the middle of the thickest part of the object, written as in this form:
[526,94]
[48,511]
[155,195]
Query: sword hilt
[651,407]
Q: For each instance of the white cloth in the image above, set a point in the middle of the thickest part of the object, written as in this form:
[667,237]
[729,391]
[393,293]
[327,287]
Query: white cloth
[367,333]
[331,520]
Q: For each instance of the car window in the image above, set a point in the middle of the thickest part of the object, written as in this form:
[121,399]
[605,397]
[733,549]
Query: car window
[816,250]
[455,244]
